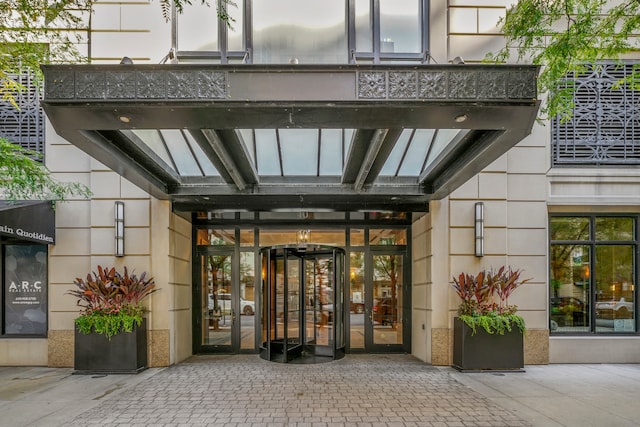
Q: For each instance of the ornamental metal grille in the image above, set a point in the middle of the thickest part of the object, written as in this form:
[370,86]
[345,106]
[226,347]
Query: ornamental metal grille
[24,125]
[605,126]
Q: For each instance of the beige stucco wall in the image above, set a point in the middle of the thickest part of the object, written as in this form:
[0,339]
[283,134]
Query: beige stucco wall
[513,190]
[156,241]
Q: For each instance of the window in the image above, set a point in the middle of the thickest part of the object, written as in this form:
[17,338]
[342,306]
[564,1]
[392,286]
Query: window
[593,267]
[24,125]
[604,129]
[24,296]
[309,32]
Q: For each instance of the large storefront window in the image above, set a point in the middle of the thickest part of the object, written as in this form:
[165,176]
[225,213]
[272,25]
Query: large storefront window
[24,295]
[593,268]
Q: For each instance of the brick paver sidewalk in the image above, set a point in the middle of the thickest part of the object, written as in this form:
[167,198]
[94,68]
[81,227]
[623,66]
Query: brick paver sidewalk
[243,390]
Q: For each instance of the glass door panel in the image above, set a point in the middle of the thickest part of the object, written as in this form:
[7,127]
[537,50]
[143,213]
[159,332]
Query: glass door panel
[247,301]
[292,303]
[385,301]
[217,310]
[356,301]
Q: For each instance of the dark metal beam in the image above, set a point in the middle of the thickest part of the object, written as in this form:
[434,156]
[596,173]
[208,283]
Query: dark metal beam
[310,202]
[369,158]
[356,155]
[132,161]
[389,141]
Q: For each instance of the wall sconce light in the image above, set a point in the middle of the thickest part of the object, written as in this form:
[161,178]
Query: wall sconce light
[119,223]
[479,229]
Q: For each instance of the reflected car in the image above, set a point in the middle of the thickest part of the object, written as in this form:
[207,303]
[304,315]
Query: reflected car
[357,307]
[621,309]
[384,311]
[224,302]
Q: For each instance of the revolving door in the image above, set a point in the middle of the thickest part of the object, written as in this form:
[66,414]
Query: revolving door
[302,303]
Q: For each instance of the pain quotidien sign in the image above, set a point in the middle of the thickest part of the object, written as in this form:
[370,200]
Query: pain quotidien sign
[32,221]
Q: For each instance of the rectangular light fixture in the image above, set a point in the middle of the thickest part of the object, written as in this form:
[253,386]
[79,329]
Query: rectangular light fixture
[119,223]
[479,229]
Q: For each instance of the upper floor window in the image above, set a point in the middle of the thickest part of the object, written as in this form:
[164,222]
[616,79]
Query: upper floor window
[24,125]
[308,32]
[604,129]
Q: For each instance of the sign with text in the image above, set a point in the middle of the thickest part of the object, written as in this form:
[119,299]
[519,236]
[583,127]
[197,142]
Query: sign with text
[32,221]
[25,289]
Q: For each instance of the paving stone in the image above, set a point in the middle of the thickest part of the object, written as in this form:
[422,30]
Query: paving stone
[244,390]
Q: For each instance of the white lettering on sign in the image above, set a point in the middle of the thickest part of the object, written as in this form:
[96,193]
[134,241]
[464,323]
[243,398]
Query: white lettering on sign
[26,286]
[28,234]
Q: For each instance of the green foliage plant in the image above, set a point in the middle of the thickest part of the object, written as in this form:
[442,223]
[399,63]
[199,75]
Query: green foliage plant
[485,300]
[564,36]
[111,302]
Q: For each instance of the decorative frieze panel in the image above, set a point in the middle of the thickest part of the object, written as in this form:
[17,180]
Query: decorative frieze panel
[136,84]
[216,82]
[456,84]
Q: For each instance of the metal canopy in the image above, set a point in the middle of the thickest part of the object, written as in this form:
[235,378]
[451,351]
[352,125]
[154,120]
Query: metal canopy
[307,137]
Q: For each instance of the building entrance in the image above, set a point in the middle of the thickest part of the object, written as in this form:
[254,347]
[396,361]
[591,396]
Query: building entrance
[230,304]
[303,303]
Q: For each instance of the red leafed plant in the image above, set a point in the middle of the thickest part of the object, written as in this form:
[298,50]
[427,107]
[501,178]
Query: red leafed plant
[485,299]
[111,301]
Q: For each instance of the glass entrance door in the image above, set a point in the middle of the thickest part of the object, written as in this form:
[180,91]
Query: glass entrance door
[302,313]
[224,304]
[385,297]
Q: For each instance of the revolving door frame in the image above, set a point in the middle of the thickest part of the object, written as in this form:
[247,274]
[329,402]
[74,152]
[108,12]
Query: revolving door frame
[283,347]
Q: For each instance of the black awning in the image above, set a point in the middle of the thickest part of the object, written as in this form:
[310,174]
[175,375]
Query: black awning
[273,137]
[32,221]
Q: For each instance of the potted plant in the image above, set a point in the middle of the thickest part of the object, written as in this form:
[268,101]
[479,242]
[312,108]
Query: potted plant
[110,333]
[488,334]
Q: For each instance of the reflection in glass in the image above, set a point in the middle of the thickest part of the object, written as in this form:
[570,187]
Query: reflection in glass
[364,26]
[570,288]
[216,309]
[614,228]
[356,296]
[204,18]
[309,32]
[387,299]
[400,29]
[334,237]
[236,27]
[387,236]
[216,237]
[569,228]
[356,237]
[615,288]
[292,304]
[247,301]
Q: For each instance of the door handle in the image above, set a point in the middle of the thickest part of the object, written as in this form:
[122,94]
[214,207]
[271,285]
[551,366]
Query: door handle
[233,316]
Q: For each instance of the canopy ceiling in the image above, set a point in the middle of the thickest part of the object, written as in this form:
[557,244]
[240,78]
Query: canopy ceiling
[293,137]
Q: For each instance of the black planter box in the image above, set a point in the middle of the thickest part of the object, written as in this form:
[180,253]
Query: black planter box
[483,351]
[125,353]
